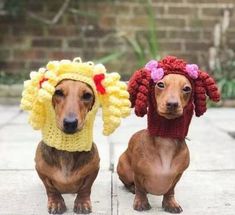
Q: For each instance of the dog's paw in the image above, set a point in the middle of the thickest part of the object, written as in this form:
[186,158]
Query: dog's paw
[82,207]
[172,206]
[56,205]
[141,205]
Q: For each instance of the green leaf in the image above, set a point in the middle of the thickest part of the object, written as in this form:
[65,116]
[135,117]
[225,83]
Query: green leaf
[109,57]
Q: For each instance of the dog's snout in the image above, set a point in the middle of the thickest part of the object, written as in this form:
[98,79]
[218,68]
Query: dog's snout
[172,105]
[70,125]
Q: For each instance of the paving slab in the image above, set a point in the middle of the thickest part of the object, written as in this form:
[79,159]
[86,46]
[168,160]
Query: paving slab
[198,192]
[8,113]
[207,187]
[22,193]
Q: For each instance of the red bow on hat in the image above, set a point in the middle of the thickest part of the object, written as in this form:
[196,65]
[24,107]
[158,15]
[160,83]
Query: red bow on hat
[98,79]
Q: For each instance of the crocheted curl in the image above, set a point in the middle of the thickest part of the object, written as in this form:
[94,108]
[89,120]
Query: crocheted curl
[138,88]
[141,82]
[38,91]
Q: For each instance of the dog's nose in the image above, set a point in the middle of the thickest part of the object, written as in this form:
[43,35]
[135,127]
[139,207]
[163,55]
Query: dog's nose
[70,125]
[172,105]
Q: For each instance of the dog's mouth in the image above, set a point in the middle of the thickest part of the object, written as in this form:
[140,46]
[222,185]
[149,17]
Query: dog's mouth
[170,114]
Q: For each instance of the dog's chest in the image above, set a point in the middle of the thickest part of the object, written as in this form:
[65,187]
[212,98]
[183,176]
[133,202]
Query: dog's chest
[66,180]
[160,167]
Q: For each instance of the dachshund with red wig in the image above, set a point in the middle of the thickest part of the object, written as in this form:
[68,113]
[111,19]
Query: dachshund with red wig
[169,91]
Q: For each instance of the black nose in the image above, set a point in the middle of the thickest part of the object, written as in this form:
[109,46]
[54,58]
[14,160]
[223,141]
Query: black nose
[172,105]
[70,125]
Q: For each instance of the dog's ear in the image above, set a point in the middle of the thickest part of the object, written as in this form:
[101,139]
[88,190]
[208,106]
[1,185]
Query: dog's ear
[138,88]
[114,101]
[204,86]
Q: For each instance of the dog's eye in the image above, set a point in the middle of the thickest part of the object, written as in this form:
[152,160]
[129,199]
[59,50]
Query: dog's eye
[87,96]
[160,85]
[186,89]
[59,93]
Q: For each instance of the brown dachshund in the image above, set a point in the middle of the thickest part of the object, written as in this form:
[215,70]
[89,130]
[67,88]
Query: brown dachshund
[155,163]
[69,172]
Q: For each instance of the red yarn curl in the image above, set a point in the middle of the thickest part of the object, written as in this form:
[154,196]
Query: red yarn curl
[140,82]
[138,88]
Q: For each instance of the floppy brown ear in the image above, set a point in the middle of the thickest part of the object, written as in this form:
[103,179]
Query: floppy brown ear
[204,86]
[138,88]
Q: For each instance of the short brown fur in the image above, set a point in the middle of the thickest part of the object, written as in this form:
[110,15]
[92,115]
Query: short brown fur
[69,172]
[155,164]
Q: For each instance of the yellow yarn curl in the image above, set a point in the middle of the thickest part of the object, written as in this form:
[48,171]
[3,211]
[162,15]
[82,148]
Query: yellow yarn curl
[37,100]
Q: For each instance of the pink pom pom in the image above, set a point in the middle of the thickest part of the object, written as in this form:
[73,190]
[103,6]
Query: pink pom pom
[156,73]
[151,65]
[192,70]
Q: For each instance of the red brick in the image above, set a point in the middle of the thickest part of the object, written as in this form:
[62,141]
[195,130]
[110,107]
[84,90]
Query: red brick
[170,46]
[197,46]
[46,43]
[10,20]
[140,10]
[231,44]
[4,54]
[190,57]
[96,32]
[30,54]
[167,1]
[184,34]
[59,55]
[12,41]
[182,10]
[231,34]
[160,34]
[212,11]
[107,22]
[170,22]
[207,34]
[202,23]
[35,6]
[27,30]
[139,21]
[77,43]
[12,66]
[35,65]
[210,1]
[63,31]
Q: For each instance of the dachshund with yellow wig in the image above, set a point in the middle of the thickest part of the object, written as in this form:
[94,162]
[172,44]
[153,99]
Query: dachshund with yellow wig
[168,91]
[62,100]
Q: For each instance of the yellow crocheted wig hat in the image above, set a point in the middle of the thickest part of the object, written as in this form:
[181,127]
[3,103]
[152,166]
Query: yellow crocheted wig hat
[110,93]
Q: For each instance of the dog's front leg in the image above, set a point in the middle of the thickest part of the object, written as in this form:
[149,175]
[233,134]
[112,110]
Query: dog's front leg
[169,203]
[55,203]
[141,202]
[82,203]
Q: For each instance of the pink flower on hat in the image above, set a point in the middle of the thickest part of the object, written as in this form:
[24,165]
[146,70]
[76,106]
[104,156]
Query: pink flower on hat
[192,70]
[156,73]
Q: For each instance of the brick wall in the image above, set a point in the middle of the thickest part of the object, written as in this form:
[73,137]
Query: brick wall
[184,28]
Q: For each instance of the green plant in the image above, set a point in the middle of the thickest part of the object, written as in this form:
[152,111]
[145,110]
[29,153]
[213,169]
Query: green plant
[145,47]
[9,79]
[225,76]
[222,58]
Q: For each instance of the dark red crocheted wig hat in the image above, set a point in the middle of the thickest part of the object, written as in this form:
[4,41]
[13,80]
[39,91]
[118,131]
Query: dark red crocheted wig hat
[141,89]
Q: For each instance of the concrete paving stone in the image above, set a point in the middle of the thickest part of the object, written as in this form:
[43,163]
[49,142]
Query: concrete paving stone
[22,193]
[198,192]
[7,114]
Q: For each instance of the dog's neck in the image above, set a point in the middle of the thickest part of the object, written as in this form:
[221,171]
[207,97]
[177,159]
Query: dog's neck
[174,128]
